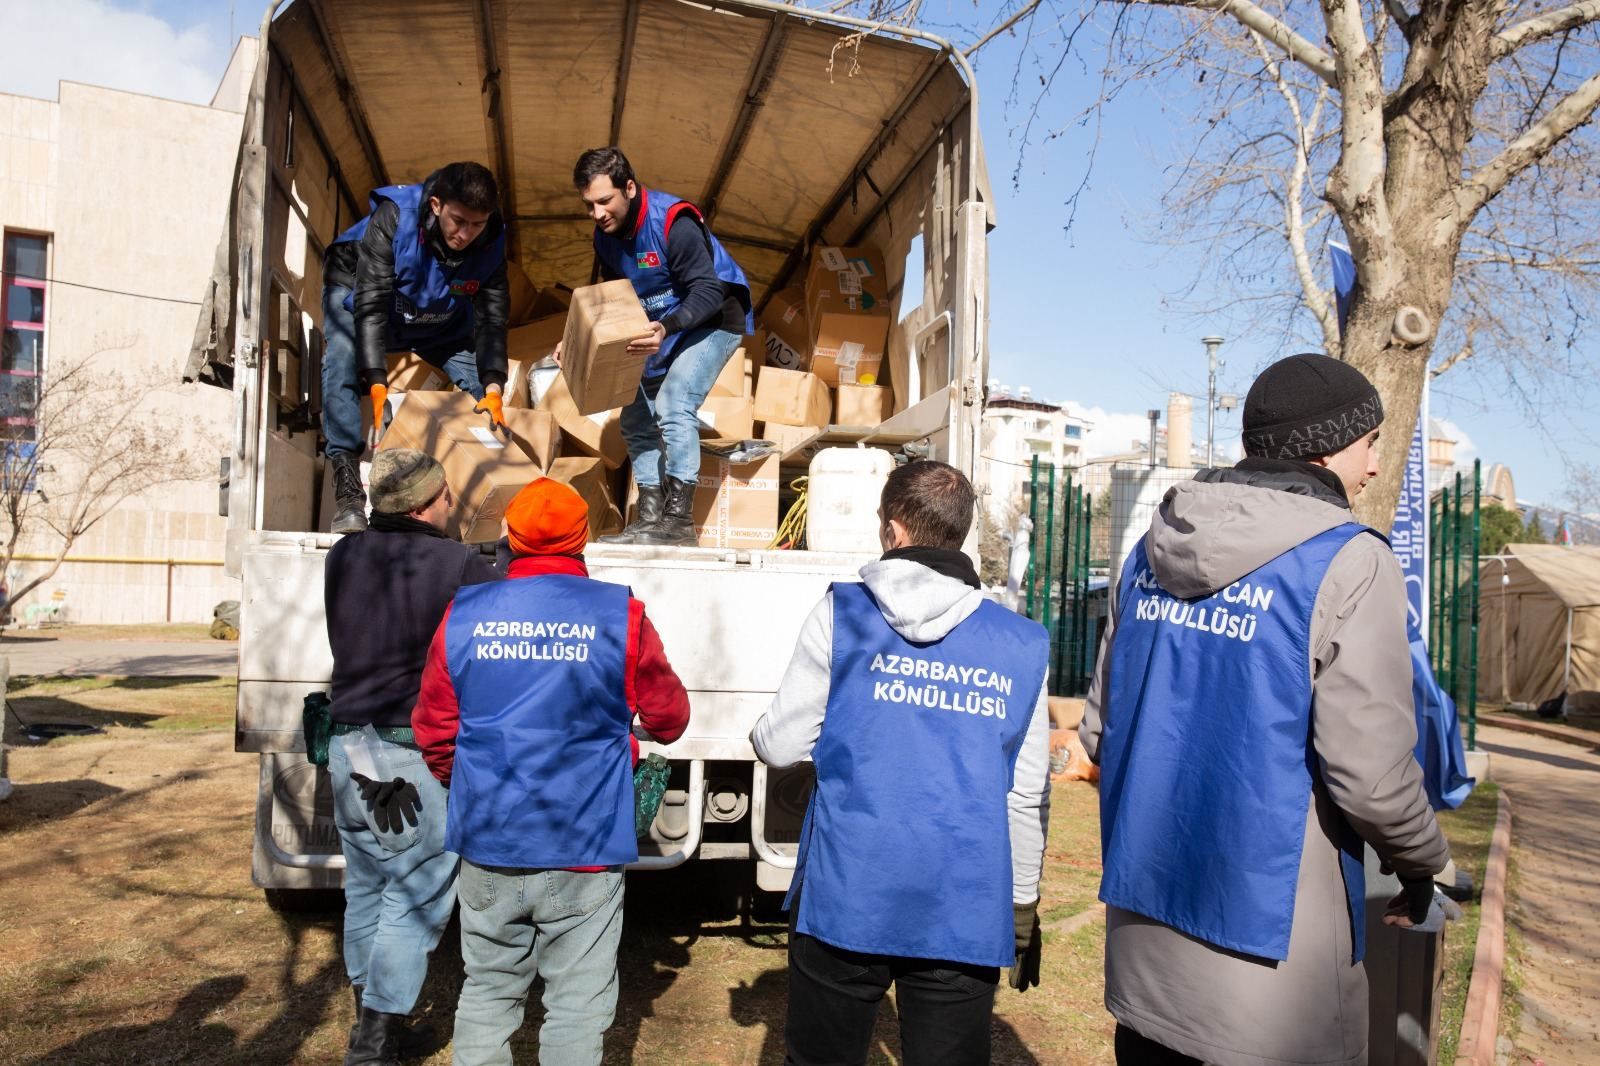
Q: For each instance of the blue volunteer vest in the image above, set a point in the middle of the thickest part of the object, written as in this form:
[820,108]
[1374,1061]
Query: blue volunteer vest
[1203,801]
[543,768]
[642,259]
[432,302]
[906,849]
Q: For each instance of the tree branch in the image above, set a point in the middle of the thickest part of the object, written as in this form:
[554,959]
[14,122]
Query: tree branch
[1254,18]
[1026,10]
[1544,24]
[1575,110]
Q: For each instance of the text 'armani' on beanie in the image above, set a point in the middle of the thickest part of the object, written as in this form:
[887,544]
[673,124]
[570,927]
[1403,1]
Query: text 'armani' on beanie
[1308,405]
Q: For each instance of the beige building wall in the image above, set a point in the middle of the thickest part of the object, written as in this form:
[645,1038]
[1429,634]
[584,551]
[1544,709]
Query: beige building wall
[132,191]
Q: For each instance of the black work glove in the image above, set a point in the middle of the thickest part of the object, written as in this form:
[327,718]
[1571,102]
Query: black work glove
[1025,971]
[1410,907]
[394,804]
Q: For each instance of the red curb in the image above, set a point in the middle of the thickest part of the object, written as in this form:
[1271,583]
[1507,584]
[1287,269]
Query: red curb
[1480,1022]
[1582,737]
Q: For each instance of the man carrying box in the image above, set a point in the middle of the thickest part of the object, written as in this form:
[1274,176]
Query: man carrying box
[525,712]
[425,272]
[698,303]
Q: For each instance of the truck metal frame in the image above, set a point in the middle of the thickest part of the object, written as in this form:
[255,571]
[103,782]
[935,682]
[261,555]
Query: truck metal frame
[806,129]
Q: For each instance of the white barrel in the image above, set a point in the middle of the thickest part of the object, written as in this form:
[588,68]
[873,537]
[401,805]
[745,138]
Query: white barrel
[844,485]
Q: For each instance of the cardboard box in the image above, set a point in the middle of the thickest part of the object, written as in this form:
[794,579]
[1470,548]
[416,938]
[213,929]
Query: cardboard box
[736,506]
[734,378]
[789,439]
[861,405]
[600,372]
[792,398]
[597,435]
[728,417]
[526,346]
[552,300]
[588,479]
[522,294]
[409,372]
[847,304]
[483,468]
[785,330]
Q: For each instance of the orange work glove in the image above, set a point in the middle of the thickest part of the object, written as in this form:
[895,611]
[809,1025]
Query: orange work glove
[380,396]
[492,403]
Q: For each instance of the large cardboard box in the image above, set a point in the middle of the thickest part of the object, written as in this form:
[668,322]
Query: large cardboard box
[789,439]
[525,347]
[847,304]
[409,372]
[734,379]
[551,300]
[792,398]
[728,417]
[484,469]
[597,435]
[600,372]
[785,331]
[522,294]
[736,506]
[861,405]
[588,479]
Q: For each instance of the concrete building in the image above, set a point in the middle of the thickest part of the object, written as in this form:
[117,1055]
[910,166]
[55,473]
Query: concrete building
[1017,428]
[111,207]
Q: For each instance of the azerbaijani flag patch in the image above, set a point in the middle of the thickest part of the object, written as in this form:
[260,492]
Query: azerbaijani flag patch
[646,260]
[463,288]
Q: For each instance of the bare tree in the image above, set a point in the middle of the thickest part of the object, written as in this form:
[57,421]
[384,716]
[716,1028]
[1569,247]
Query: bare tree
[1446,143]
[97,442]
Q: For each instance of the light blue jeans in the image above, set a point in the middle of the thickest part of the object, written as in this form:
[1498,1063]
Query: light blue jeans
[663,416]
[398,887]
[562,926]
[342,394]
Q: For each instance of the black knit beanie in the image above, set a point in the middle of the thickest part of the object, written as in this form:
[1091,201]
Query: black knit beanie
[1308,405]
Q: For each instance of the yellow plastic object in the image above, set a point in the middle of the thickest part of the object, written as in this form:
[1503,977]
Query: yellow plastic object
[793,526]
[867,379]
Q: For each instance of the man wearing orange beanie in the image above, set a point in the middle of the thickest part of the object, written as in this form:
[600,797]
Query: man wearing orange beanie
[525,715]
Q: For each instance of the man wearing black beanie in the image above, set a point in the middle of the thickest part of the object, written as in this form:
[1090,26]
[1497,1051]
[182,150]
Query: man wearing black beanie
[1252,716]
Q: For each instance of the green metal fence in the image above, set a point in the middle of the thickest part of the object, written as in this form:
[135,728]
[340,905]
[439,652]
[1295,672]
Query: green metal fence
[1057,585]
[1455,535]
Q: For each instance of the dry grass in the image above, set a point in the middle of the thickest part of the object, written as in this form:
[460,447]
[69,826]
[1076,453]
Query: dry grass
[181,703]
[1469,829]
[184,631]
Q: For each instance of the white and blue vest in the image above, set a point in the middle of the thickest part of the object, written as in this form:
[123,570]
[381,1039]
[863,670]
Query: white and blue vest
[906,850]
[642,259]
[543,772]
[1206,763]
[432,302]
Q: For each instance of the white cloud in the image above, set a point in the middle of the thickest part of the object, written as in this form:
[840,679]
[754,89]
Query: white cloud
[1116,433]
[1466,450]
[99,43]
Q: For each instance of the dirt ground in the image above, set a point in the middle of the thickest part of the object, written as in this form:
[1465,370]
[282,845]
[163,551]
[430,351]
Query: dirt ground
[130,932]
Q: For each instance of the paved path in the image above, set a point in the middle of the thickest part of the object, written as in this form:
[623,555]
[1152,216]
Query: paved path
[123,658]
[1555,892]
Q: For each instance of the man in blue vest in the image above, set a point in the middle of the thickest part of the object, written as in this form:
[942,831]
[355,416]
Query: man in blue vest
[1252,717]
[923,707]
[698,303]
[525,714]
[425,272]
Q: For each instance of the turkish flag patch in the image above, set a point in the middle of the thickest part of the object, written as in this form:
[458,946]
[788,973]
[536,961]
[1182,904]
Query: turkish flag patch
[647,260]
[463,288]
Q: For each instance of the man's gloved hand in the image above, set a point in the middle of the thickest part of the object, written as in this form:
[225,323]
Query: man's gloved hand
[1410,907]
[495,406]
[380,397]
[394,804]
[1025,971]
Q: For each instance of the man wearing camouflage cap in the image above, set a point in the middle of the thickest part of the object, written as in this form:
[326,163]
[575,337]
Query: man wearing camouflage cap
[386,589]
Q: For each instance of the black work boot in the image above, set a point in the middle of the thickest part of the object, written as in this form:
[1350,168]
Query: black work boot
[377,1039]
[355,990]
[676,528]
[349,498]
[650,502]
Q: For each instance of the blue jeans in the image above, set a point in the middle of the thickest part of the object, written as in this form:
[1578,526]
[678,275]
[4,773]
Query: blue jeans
[560,925]
[664,412]
[342,394]
[398,887]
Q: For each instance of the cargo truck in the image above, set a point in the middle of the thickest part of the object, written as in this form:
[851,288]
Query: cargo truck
[792,130]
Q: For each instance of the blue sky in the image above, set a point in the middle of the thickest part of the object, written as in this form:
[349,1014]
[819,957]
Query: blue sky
[1078,317]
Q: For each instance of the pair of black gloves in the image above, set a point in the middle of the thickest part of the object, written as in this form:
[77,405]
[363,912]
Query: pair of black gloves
[394,804]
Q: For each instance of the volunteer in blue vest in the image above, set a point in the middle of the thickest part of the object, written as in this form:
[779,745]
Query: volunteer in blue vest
[525,714]
[1251,713]
[386,589]
[424,272]
[698,303]
[923,707]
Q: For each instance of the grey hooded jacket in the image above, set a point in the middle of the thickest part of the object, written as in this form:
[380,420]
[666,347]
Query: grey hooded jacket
[921,605]
[1213,1004]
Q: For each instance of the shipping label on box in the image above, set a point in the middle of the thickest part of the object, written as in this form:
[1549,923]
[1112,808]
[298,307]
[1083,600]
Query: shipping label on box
[792,398]
[409,372]
[736,506]
[728,417]
[848,309]
[787,340]
[861,405]
[601,373]
[587,477]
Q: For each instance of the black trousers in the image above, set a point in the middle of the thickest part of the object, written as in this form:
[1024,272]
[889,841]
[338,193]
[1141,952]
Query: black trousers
[833,1002]
[1135,1050]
